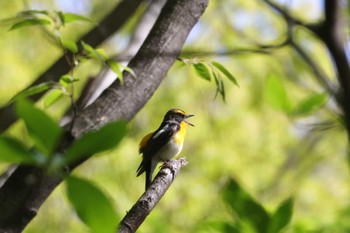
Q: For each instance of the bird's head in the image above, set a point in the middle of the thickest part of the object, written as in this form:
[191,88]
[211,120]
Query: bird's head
[177,115]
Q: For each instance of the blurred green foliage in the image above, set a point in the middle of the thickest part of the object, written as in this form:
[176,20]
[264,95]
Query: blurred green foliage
[278,135]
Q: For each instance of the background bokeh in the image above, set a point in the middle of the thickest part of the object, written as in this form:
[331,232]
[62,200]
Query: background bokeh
[272,156]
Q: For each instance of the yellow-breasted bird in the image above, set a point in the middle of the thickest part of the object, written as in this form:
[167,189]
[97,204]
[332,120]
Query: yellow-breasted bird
[164,143]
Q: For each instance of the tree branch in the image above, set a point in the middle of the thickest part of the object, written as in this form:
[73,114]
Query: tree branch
[143,207]
[96,36]
[320,76]
[107,76]
[331,33]
[28,187]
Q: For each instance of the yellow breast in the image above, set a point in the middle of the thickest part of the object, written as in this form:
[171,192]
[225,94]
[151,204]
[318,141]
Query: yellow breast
[180,136]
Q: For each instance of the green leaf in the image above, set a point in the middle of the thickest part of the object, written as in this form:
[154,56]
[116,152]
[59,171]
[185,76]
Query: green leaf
[52,97]
[117,69]
[310,105]
[97,141]
[33,12]
[93,207]
[281,218]
[247,209]
[94,53]
[202,70]
[69,45]
[34,90]
[276,94]
[102,54]
[44,131]
[67,79]
[225,72]
[128,69]
[70,17]
[13,151]
[220,226]
[30,22]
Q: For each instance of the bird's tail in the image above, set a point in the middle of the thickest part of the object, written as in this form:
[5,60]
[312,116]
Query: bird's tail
[148,167]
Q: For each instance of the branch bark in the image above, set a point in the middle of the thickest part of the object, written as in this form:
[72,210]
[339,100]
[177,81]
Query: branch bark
[28,187]
[115,20]
[108,76]
[331,33]
[143,207]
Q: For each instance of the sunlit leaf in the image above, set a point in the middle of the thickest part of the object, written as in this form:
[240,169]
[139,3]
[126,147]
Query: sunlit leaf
[225,72]
[87,47]
[97,141]
[67,79]
[117,69]
[92,206]
[281,218]
[52,97]
[202,70]
[245,206]
[34,90]
[70,45]
[310,105]
[129,70]
[30,22]
[70,17]
[276,94]
[44,131]
[102,54]
[13,151]
[94,53]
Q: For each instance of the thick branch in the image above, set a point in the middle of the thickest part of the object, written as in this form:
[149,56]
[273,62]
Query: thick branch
[96,36]
[143,207]
[108,76]
[331,33]
[27,188]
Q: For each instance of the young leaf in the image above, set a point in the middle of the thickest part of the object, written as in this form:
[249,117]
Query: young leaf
[70,17]
[202,70]
[69,45]
[310,105]
[67,79]
[93,207]
[276,94]
[44,131]
[30,22]
[34,90]
[246,207]
[115,66]
[281,217]
[88,48]
[102,54]
[94,142]
[13,151]
[128,69]
[52,97]
[225,72]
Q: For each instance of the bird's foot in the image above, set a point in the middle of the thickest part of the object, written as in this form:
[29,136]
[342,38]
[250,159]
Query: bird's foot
[167,164]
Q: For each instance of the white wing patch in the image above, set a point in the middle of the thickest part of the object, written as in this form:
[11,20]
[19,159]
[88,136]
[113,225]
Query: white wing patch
[158,133]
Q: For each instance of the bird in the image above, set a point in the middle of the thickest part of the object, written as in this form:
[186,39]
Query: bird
[163,144]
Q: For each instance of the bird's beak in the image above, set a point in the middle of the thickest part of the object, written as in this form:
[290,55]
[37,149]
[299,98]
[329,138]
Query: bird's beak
[188,116]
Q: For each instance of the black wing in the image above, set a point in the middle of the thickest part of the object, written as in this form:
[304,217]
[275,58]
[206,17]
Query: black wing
[159,138]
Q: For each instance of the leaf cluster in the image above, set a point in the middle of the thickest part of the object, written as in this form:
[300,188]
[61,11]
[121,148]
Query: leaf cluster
[209,70]
[249,215]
